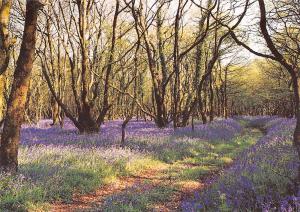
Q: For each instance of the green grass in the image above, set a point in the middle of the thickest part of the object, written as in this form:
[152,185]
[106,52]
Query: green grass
[215,156]
[184,164]
[138,199]
[49,174]
[53,174]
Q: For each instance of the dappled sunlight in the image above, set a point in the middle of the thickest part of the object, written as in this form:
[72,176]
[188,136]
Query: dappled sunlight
[64,163]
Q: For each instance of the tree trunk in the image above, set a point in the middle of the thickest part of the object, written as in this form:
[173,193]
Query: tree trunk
[162,83]
[2,96]
[176,69]
[18,96]
[202,111]
[296,140]
[160,119]
[87,123]
[193,125]
[5,42]
[56,119]
[106,106]
[225,110]
[5,45]
[124,124]
[211,99]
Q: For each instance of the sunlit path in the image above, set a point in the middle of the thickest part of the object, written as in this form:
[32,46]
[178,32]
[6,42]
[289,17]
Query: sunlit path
[166,186]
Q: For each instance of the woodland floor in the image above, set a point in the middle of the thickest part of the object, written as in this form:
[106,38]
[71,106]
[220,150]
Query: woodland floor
[162,187]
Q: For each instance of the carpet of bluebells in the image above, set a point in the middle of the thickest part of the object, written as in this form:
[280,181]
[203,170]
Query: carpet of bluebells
[43,133]
[262,178]
[57,162]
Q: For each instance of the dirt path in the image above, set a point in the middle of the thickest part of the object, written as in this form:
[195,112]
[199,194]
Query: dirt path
[146,182]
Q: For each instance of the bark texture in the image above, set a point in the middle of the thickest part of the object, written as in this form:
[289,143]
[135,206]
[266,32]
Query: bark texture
[18,96]
[5,42]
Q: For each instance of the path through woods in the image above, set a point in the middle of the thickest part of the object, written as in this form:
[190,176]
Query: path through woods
[162,188]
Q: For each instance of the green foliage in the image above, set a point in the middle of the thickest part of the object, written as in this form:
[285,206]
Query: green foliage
[262,87]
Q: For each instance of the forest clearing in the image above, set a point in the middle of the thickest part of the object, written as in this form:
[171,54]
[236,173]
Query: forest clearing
[149,105]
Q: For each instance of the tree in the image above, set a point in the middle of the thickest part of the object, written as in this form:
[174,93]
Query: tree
[5,46]
[18,95]
[88,69]
[159,76]
[5,41]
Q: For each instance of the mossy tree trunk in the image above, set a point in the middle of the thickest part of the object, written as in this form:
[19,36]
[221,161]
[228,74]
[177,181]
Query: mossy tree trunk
[18,96]
[2,97]
[5,42]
